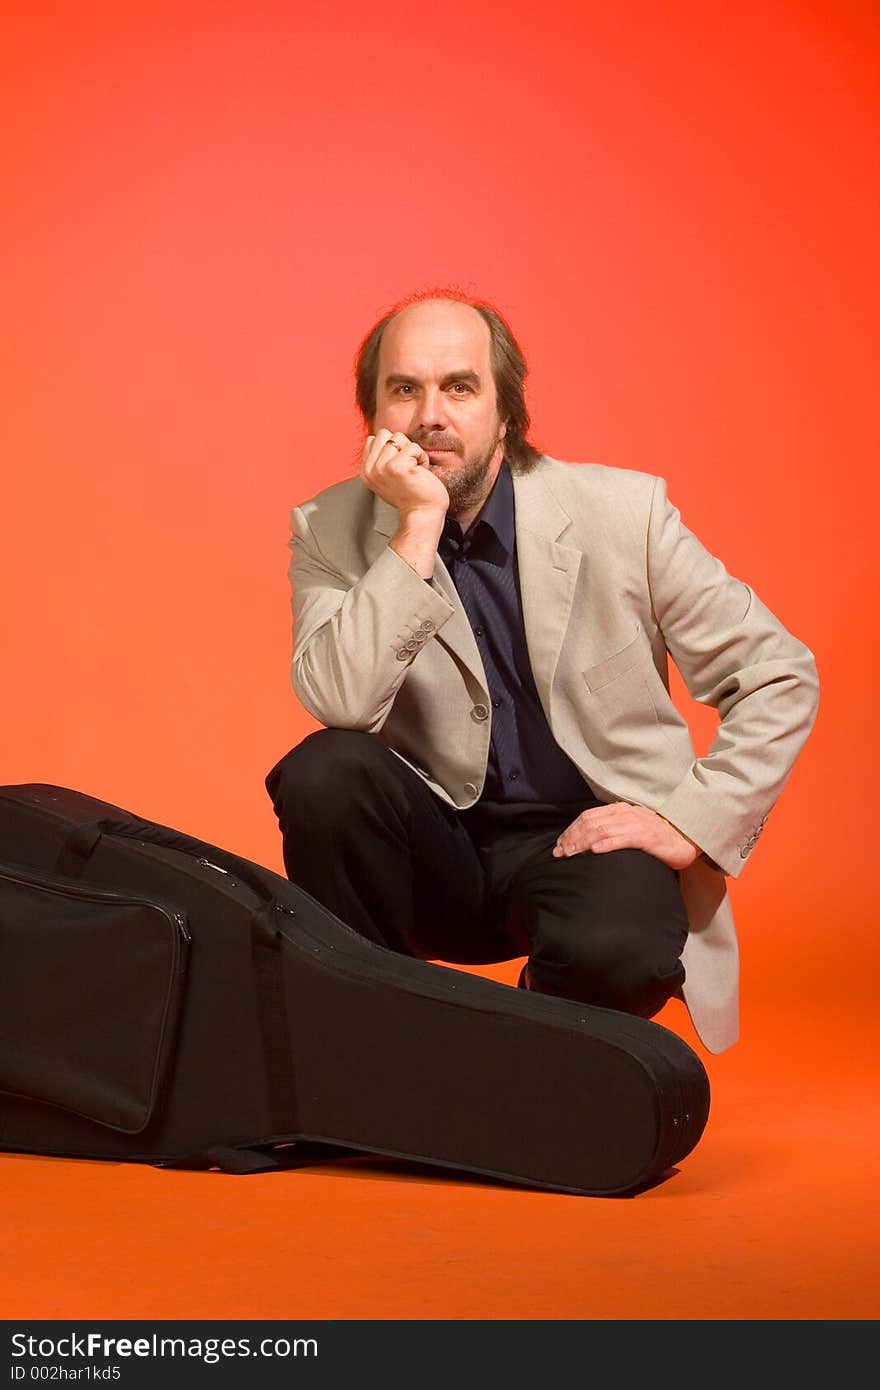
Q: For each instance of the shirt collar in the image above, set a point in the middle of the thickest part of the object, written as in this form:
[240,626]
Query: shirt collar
[497,514]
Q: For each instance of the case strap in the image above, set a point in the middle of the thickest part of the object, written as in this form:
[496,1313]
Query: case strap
[272,1011]
[229,1159]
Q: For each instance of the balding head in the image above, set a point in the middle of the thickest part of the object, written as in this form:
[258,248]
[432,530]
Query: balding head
[447,318]
[435,386]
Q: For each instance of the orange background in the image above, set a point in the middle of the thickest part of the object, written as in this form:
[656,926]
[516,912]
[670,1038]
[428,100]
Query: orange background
[206,206]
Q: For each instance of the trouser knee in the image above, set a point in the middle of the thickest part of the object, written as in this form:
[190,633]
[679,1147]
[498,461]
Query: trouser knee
[319,778]
[613,970]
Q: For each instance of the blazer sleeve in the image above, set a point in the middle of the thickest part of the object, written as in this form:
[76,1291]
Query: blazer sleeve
[735,655]
[353,642]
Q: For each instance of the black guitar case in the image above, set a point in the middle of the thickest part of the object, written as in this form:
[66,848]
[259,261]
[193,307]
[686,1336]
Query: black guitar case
[164,1001]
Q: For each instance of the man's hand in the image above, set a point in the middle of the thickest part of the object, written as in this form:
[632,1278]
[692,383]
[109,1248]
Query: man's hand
[399,471]
[622,825]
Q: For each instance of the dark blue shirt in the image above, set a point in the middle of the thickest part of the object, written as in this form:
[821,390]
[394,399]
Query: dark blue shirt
[525,761]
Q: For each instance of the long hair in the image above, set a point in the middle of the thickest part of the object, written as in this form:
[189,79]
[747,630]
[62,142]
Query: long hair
[508,364]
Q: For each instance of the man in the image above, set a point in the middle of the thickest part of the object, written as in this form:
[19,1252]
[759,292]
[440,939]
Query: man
[484,631]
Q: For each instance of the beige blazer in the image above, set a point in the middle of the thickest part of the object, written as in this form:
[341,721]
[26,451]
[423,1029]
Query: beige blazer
[613,584]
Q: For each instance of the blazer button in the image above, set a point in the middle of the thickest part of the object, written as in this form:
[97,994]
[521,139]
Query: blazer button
[470,789]
[479,713]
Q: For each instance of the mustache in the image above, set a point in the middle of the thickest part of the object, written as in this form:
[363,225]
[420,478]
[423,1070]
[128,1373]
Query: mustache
[427,442]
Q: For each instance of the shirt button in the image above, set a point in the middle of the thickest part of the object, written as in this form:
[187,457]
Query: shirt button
[479,713]
[478,632]
[496,704]
[513,774]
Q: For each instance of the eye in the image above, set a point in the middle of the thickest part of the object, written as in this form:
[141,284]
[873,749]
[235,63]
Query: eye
[463,384]
[404,386]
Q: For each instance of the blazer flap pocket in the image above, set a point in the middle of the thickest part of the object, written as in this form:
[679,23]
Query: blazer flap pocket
[608,670]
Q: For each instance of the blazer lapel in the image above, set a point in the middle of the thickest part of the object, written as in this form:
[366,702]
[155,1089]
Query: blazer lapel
[548,571]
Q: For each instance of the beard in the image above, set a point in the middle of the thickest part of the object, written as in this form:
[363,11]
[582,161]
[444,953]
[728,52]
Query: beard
[466,481]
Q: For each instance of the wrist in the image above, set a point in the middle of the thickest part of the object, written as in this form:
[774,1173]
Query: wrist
[416,543]
[687,839]
[421,522]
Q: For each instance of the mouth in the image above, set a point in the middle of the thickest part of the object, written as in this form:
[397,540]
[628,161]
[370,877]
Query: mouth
[439,453]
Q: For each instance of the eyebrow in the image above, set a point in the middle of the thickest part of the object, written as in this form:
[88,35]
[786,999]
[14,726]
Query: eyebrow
[401,379]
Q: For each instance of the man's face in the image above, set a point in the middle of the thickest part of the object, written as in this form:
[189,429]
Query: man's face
[435,384]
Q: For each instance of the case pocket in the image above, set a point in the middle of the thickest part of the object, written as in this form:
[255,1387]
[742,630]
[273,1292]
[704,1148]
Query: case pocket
[91,985]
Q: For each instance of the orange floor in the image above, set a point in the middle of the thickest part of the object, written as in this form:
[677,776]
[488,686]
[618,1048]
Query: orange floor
[773,1216]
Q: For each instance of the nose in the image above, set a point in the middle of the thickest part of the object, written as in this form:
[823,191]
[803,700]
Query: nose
[431,412]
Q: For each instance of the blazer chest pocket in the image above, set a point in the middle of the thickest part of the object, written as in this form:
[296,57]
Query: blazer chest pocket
[617,664]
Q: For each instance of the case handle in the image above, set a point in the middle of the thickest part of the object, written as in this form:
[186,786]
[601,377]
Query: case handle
[80,845]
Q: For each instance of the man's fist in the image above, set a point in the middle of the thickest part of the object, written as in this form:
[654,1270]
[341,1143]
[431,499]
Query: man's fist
[399,472]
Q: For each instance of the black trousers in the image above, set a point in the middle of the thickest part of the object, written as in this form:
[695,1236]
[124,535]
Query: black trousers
[368,838]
